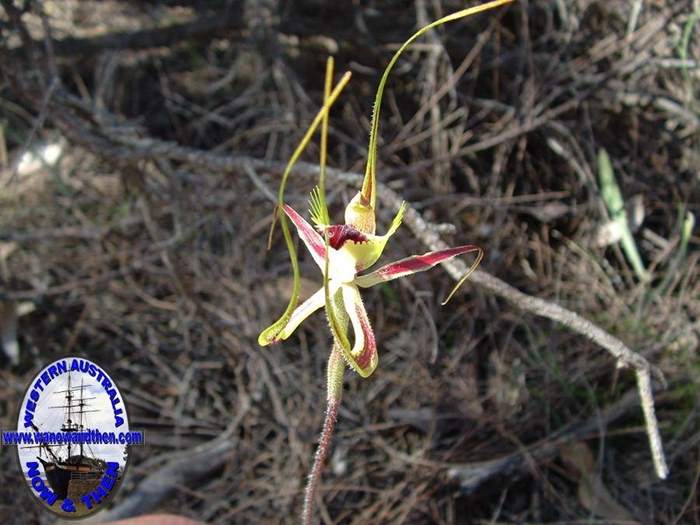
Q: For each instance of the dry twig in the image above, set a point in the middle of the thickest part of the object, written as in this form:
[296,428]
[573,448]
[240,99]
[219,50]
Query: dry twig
[426,233]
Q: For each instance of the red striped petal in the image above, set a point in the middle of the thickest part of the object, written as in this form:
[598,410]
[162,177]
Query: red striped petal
[312,239]
[411,265]
[364,351]
[369,349]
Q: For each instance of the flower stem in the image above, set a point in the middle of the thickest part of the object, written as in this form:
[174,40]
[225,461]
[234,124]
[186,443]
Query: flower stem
[336,369]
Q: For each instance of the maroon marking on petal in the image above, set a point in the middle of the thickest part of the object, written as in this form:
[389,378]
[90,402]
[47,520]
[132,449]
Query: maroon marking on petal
[310,237]
[339,234]
[422,262]
[370,347]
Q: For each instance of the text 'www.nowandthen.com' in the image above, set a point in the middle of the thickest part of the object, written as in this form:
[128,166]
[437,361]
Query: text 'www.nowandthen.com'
[82,437]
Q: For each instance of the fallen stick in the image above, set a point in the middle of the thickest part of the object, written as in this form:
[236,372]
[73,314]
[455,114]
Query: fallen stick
[471,476]
[133,149]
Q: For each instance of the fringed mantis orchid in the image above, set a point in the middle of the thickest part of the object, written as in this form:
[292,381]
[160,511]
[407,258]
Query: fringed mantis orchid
[344,253]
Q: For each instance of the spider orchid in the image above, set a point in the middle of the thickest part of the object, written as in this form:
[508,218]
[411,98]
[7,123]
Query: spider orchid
[348,249]
[345,253]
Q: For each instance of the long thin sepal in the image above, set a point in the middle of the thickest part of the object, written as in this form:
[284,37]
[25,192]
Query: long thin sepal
[270,334]
[324,216]
[420,263]
[369,183]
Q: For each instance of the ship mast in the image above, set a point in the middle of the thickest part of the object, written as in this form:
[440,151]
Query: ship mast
[82,406]
[70,424]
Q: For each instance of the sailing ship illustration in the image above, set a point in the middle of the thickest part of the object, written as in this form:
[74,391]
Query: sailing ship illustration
[71,469]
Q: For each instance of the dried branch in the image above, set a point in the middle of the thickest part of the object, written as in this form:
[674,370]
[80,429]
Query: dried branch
[427,234]
[625,357]
[472,475]
[134,149]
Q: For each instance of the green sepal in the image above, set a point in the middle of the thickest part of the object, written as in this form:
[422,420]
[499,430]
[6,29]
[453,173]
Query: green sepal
[369,190]
[270,334]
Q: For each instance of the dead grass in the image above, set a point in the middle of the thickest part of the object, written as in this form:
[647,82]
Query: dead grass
[157,269]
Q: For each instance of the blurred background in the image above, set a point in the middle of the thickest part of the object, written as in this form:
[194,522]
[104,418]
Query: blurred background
[139,144]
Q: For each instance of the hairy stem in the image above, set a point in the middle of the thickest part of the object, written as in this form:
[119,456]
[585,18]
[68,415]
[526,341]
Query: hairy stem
[336,370]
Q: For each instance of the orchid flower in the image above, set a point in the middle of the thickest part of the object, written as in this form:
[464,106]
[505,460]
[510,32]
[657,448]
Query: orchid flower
[346,250]
[342,254]
[345,254]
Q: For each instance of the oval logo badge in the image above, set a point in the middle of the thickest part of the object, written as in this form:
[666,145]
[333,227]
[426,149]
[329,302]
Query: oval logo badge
[72,437]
